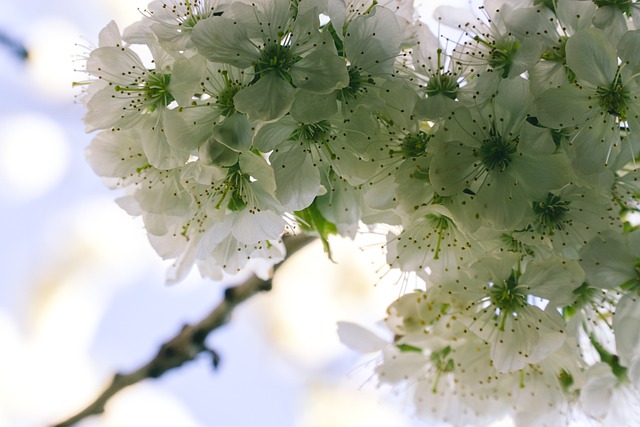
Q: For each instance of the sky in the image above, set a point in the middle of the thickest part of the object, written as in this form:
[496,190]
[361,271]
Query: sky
[82,294]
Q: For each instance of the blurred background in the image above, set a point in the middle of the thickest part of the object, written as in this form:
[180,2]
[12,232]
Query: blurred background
[82,293]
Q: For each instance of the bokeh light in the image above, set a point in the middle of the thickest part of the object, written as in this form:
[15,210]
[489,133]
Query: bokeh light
[54,55]
[313,294]
[34,155]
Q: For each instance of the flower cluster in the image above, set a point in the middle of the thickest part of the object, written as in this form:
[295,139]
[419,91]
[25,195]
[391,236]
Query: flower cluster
[502,161]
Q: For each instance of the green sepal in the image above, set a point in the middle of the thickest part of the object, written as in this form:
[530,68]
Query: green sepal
[236,203]
[311,219]
[612,360]
[407,347]
[337,41]
[566,380]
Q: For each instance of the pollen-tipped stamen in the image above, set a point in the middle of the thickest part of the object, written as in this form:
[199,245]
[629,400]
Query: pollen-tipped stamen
[497,152]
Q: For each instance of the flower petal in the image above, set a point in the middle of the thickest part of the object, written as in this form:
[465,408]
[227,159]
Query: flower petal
[235,132]
[322,71]
[224,40]
[297,178]
[592,57]
[359,339]
[268,99]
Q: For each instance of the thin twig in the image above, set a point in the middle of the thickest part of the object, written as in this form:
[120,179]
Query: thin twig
[15,47]
[189,342]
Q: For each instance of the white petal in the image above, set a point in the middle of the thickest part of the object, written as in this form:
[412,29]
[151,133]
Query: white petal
[360,339]
[625,325]
[596,394]
[628,48]
[322,71]
[188,128]
[251,228]
[309,107]
[297,178]
[512,103]
[107,109]
[224,40]
[116,64]
[607,261]
[186,77]
[268,99]
[455,17]
[535,140]
[373,40]
[257,167]
[214,235]
[115,154]
[452,168]
[181,266]
[400,366]
[527,55]
[164,196]
[159,152]
[634,370]
[500,201]
[547,75]
[109,35]
[235,132]
[563,107]
[435,106]
[273,135]
[592,57]
[553,279]
[528,338]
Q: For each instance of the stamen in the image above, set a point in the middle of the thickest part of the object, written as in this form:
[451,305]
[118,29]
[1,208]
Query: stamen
[496,152]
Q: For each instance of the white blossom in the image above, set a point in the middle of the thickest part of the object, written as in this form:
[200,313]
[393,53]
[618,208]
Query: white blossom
[501,164]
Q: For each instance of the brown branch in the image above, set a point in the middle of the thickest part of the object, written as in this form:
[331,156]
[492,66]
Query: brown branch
[189,342]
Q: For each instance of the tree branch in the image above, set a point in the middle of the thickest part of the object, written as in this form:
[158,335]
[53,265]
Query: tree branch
[190,341]
[15,47]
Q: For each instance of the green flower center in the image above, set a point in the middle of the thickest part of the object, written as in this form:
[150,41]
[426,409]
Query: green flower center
[446,84]
[551,212]
[443,364]
[614,99]
[357,84]
[501,54]
[440,223]
[196,11]
[233,190]
[312,132]
[496,152]
[155,90]
[224,100]
[558,54]
[441,360]
[585,295]
[507,295]
[277,58]
[415,144]
[514,245]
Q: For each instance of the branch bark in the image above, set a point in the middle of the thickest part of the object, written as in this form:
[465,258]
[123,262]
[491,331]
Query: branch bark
[190,341]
